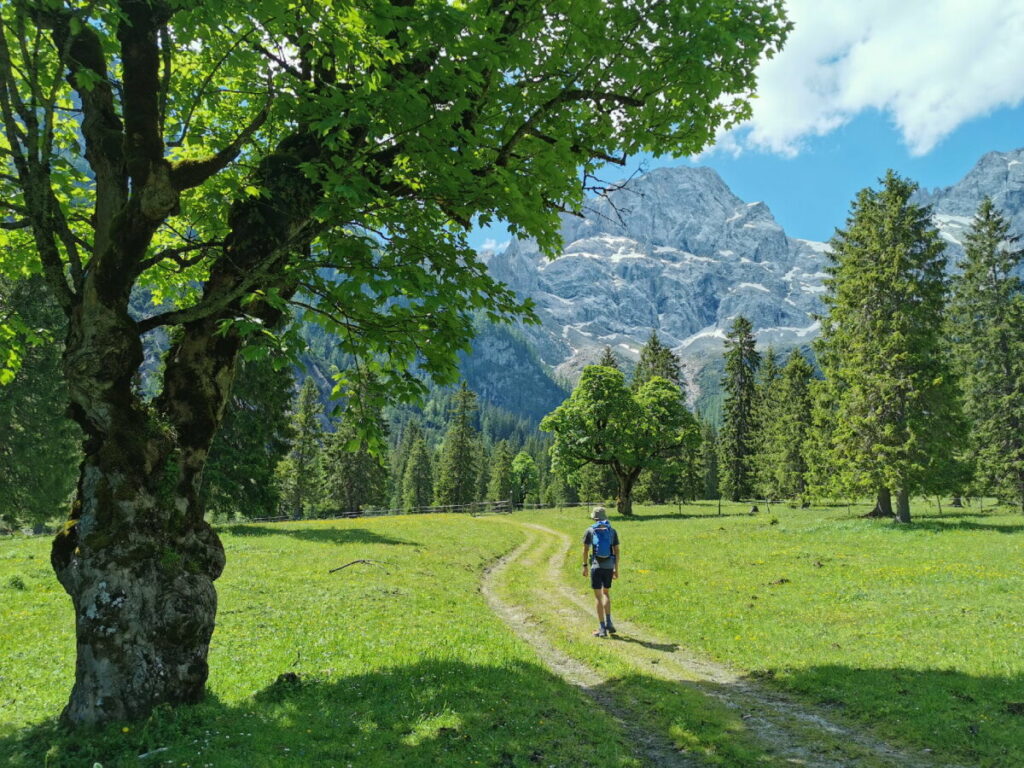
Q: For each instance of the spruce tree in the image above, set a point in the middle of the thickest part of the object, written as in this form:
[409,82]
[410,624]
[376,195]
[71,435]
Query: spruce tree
[483,470]
[254,436]
[40,448]
[896,409]
[767,407]
[678,476]
[500,487]
[296,472]
[739,428]
[785,432]
[987,328]
[457,466]
[608,359]
[418,482]
[411,433]
[657,360]
[351,477]
[708,483]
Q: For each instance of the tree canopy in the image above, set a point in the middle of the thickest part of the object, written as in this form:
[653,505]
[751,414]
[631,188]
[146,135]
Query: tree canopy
[246,160]
[987,329]
[605,424]
[885,360]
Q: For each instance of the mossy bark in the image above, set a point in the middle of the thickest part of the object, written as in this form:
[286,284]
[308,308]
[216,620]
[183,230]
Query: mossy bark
[136,556]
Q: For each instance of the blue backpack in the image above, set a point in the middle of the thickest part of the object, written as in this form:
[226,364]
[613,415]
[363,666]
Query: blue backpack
[602,537]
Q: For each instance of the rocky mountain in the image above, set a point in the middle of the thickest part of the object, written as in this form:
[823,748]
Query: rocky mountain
[999,175]
[675,251]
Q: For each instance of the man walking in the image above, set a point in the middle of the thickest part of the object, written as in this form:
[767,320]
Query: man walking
[601,556]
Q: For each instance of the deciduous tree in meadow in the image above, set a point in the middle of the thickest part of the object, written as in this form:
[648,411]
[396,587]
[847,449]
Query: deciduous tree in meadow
[603,423]
[525,479]
[243,160]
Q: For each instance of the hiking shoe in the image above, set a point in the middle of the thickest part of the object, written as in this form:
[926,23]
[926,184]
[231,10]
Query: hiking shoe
[611,629]
[601,632]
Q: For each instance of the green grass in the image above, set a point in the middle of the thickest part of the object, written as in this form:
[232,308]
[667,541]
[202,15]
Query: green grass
[912,631]
[695,723]
[403,668]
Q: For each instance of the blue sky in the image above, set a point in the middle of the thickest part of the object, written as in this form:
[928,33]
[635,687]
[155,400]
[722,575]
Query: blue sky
[925,87]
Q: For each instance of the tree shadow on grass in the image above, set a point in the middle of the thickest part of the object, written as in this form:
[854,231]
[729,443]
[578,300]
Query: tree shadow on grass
[929,524]
[975,720]
[433,713]
[321,535]
[642,518]
[519,715]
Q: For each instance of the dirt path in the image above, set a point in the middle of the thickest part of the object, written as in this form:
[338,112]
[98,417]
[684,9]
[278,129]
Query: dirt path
[654,749]
[792,732]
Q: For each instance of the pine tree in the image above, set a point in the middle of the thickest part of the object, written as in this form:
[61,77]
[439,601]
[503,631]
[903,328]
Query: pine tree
[657,360]
[418,482]
[783,468]
[739,428]
[895,401]
[351,477]
[987,328]
[500,488]
[608,359]
[457,467]
[709,456]
[253,438]
[296,473]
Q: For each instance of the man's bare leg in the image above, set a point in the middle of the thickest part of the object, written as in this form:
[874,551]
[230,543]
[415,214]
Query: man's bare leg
[607,606]
[600,605]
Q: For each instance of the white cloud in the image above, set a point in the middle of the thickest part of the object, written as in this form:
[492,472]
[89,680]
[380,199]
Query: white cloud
[492,245]
[929,65]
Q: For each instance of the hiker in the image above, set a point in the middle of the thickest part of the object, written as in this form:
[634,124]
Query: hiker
[601,556]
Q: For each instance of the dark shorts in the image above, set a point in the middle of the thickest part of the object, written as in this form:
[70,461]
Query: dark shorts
[600,578]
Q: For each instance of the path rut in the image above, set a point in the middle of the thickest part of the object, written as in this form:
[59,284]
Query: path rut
[793,732]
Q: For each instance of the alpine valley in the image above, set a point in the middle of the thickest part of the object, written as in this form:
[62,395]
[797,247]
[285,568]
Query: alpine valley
[675,251]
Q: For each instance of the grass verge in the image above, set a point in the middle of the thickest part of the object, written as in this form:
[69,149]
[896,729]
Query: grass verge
[910,631]
[406,667]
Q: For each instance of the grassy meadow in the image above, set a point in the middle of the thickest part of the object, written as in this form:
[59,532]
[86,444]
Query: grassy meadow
[912,633]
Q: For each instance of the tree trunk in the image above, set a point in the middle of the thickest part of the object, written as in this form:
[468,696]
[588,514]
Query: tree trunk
[624,502]
[883,504]
[903,506]
[139,565]
[958,502]
[136,556]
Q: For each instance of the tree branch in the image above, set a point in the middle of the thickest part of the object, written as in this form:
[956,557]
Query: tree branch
[566,96]
[192,173]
